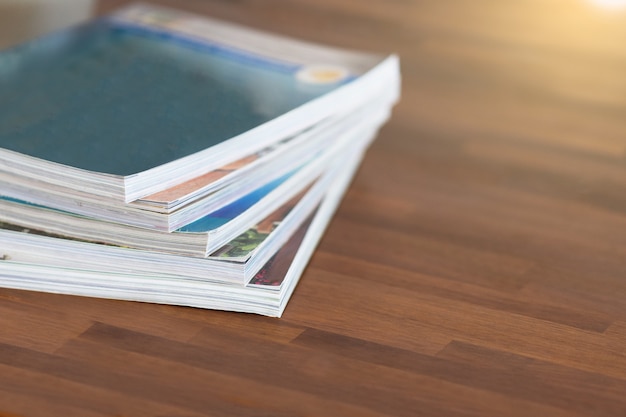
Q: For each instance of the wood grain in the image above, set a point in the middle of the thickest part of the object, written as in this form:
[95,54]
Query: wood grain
[477,265]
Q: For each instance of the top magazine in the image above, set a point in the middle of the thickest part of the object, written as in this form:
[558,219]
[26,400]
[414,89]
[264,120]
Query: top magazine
[147,98]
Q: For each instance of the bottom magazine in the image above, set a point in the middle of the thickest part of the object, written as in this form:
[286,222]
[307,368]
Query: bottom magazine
[266,293]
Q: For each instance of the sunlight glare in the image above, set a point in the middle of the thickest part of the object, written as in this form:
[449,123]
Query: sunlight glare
[610,4]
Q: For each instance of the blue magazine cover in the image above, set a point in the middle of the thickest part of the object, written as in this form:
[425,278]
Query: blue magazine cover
[120,98]
[148,98]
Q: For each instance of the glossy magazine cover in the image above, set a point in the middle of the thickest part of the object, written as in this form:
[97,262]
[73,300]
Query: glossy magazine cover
[122,95]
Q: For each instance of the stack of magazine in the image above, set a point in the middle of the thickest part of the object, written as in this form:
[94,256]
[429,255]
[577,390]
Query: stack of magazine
[159,156]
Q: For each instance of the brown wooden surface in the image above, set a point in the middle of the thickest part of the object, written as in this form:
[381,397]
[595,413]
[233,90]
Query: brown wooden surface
[477,266]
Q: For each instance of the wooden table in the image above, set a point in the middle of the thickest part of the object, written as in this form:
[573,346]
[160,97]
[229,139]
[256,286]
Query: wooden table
[477,266]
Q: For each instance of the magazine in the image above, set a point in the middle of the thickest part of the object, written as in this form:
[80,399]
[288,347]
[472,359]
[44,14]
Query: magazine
[148,98]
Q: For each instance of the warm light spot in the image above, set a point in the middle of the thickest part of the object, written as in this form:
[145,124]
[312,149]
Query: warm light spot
[610,4]
[322,74]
